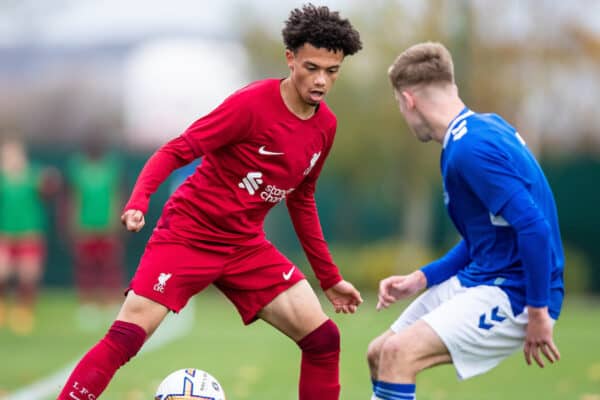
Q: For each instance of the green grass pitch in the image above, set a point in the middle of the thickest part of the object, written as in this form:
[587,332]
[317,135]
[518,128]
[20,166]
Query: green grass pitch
[258,362]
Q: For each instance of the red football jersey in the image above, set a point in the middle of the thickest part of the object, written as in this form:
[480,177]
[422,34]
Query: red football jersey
[256,153]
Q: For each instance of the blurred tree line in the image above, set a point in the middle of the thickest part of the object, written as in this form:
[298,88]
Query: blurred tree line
[380,194]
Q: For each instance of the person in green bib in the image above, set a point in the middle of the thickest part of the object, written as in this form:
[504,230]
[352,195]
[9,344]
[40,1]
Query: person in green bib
[23,222]
[94,182]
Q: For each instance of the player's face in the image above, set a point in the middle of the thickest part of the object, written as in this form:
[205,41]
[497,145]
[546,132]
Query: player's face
[313,71]
[415,120]
[12,157]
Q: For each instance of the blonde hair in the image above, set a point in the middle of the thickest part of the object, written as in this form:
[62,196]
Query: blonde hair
[423,63]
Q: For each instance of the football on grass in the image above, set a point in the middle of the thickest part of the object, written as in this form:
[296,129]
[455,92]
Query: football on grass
[189,384]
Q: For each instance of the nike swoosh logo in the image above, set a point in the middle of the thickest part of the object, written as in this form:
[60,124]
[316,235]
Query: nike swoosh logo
[264,152]
[72,395]
[288,275]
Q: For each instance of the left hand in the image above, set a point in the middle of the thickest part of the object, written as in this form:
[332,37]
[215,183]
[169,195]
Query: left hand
[344,297]
[396,287]
[539,337]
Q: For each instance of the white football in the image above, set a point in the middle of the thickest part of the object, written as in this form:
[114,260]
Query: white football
[189,384]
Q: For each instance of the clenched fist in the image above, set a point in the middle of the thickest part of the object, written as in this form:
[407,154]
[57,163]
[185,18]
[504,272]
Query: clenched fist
[133,220]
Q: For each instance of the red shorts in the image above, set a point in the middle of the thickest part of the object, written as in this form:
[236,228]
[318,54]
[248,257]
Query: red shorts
[31,247]
[251,277]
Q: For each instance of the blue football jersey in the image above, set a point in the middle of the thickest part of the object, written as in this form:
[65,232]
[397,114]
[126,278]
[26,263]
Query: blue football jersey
[484,163]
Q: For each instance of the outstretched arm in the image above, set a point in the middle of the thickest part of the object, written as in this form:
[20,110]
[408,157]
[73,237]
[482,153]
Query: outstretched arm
[440,270]
[159,166]
[398,287]
[226,124]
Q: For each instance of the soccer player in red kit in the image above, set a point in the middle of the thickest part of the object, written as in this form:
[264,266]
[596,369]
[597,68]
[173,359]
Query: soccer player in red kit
[264,144]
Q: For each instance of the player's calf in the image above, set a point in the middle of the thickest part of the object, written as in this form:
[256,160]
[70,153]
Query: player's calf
[95,370]
[319,372]
[402,356]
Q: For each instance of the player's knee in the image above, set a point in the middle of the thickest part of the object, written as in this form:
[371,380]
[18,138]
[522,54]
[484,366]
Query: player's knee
[397,349]
[324,339]
[374,353]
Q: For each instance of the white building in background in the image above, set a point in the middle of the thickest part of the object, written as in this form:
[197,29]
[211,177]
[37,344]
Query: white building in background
[168,84]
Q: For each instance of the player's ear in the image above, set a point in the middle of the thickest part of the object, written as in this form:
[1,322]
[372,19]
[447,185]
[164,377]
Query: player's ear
[289,57]
[407,99]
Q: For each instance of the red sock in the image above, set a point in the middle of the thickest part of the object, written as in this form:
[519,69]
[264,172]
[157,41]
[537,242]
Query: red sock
[95,370]
[320,371]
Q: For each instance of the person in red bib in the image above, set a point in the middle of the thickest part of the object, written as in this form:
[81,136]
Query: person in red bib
[264,144]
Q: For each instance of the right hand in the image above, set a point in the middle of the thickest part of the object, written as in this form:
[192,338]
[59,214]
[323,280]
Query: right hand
[539,337]
[133,220]
[397,287]
[344,297]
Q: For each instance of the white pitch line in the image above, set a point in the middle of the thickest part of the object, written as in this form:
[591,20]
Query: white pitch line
[172,328]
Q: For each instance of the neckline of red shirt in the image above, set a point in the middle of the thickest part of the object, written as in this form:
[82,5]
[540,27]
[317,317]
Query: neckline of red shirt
[285,107]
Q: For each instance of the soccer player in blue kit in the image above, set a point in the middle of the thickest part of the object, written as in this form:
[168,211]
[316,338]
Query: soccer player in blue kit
[501,287]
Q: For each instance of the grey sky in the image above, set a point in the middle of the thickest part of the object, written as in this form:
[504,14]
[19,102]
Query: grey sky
[81,22]
[67,22]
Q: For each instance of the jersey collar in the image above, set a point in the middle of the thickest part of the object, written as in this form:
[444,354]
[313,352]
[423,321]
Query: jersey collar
[464,113]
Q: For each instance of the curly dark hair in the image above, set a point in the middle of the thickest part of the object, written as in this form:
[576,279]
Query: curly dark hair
[321,28]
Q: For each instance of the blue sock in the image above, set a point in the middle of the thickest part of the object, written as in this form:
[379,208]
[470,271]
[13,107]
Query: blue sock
[394,391]
[375,384]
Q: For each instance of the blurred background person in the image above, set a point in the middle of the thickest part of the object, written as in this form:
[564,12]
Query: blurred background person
[94,178]
[23,217]
[157,67]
